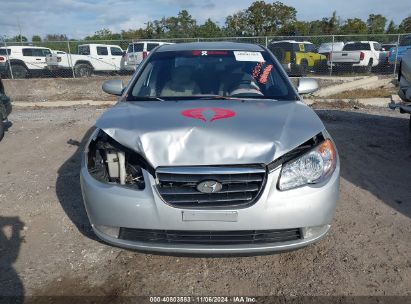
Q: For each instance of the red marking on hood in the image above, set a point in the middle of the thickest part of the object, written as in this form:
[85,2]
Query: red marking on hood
[197,113]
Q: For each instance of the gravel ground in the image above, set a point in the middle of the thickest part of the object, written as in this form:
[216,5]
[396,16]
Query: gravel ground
[47,248]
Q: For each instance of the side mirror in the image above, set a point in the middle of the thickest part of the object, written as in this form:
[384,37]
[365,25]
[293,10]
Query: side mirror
[307,86]
[113,87]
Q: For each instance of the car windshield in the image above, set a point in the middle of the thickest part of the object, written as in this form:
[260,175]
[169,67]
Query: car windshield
[358,46]
[310,47]
[210,74]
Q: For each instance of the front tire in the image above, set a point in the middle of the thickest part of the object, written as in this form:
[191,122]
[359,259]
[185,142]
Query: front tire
[2,128]
[18,71]
[368,68]
[83,70]
[303,68]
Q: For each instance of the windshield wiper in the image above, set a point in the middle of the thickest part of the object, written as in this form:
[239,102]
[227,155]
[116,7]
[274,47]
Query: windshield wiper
[146,98]
[212,96]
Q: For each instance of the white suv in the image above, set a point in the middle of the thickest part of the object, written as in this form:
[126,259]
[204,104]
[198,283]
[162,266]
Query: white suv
[137,51]
[23,61]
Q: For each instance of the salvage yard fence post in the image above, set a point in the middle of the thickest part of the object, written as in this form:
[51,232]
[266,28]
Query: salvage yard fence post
[69,59]
[396,56]
[8,60]
[331,56]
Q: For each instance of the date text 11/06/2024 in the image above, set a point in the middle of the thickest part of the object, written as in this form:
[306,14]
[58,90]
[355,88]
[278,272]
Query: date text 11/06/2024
[203,299]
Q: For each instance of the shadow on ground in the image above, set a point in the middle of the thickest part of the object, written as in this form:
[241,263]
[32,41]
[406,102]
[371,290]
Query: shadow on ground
[69,191]
[11,286]
[375,154]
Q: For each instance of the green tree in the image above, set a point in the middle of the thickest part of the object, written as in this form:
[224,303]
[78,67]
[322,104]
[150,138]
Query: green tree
[237,25]
[405,25]
[261,18]
[354,26]
[297,28]
[391,28]
[376,23]
[104,34]
[208,29]
[36,38]
[181,26]
[55,37]
[17,38]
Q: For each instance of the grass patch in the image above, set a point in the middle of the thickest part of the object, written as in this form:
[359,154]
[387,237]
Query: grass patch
[337,104]
[364,93]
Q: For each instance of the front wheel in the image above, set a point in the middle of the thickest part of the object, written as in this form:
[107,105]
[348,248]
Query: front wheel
[18,71]
[83,70]
[303,68]
[2,128]
[368,68]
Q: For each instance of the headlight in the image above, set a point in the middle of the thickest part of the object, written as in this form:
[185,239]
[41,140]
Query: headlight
[110,162]
[310,168]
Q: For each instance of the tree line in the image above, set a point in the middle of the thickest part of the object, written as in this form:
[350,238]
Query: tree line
[259,19]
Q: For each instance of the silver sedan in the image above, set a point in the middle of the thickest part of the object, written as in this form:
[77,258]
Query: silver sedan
[210,149]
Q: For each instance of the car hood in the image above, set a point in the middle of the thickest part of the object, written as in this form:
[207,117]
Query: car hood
[210,132]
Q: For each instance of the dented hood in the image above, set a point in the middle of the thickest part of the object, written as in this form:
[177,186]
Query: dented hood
[210,132]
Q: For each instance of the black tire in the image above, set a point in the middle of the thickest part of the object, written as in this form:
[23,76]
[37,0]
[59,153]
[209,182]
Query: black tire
[83,70]
[19,71]
[368,68]
[410,125]
[303,68]
[2,128]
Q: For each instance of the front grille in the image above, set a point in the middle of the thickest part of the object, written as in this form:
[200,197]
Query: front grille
[210,237]
[241,186]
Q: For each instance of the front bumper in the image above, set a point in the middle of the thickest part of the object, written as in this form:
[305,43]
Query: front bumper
[309,208]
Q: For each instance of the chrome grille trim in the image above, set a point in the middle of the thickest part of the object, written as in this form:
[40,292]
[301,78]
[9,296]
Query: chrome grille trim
[241,185]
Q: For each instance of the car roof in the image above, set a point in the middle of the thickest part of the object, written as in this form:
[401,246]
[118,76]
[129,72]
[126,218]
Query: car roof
[149,41]
[291,41]
[99,44]
[208,46]
[362,41]
[20,47]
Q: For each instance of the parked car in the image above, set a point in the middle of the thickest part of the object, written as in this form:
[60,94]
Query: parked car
[403,47]
[4,56]
[210,149]
[404,79]
[137,51]
[23,61]
[388,46]
[5,109]
[298,57]
[91,58]
[328,47]
[361,55]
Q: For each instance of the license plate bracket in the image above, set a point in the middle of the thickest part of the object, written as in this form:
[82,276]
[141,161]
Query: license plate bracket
[212,216]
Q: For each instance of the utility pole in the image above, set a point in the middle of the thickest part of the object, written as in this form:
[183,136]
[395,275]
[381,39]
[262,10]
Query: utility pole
[21,37]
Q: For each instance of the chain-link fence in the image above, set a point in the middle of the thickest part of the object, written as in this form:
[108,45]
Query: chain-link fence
[300,55]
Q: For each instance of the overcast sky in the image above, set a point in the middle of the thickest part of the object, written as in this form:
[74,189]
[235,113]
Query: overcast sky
[77,18]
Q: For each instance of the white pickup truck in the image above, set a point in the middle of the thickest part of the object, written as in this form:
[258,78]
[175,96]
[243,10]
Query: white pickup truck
[363,55]
[90,58]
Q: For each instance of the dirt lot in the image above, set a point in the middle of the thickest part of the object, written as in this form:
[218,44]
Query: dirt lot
[47,247]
